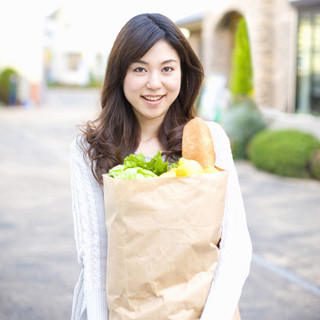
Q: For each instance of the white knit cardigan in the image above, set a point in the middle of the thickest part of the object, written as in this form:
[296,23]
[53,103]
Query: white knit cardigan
[89,300]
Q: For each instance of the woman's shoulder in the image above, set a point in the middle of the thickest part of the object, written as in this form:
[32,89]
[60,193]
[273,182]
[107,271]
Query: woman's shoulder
[78,146]
[79,143]
[217,132]
[221,143]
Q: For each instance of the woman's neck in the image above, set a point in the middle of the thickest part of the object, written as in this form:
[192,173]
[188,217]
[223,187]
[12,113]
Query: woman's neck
[149,143]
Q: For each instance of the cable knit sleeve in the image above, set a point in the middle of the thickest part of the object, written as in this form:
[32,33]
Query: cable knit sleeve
[235,246]
[90,235]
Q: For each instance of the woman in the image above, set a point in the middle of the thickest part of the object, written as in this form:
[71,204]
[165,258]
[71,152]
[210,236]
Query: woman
[152,80]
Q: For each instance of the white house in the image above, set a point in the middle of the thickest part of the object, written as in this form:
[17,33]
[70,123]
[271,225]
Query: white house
[74,50]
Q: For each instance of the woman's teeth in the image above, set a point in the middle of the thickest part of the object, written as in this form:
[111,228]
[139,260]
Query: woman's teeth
[152,98]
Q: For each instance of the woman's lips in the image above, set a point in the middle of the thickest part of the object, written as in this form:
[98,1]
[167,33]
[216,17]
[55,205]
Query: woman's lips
[153,98]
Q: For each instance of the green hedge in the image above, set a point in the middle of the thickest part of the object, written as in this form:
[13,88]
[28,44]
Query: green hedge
[283,152]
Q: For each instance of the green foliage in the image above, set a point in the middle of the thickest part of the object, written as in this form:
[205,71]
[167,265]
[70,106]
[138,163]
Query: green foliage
[5,84]
[5,76]
[242,75]
[94,81]
[241,122]
[283,152]
[315,165]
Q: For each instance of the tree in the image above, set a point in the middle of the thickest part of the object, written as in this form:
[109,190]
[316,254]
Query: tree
[7,89]
[241,75]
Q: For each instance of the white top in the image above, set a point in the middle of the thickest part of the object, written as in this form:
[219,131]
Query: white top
[91,240]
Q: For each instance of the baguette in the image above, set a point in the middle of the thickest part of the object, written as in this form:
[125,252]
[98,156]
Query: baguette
[197,143]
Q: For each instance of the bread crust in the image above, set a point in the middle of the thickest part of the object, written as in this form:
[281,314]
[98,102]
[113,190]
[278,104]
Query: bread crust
[197,143]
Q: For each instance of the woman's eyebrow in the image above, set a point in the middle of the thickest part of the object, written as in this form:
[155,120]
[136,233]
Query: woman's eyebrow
[164,62]
[140,61]
[169,60]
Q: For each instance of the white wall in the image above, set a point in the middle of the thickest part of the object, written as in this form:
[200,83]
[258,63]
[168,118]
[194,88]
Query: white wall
[21,28]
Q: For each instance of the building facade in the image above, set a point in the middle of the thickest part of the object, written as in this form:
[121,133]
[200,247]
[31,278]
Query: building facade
[285,48]
[74,54]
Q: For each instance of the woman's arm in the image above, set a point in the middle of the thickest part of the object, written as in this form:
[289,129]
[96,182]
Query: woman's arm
[90,233]
[235,246]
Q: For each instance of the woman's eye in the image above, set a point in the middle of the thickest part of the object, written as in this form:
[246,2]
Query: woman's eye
[140,69]
[167,69]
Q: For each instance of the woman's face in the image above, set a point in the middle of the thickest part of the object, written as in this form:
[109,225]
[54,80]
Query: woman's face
[153,83]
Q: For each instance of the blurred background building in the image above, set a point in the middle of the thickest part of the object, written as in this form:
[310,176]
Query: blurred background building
[73,55]
[284,37]
[285,47]
[21,51]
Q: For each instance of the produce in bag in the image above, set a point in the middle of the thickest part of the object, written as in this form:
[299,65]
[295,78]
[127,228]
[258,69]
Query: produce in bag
[196,158]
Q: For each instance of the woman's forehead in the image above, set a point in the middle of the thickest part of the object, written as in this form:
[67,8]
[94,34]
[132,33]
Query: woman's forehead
[162,50]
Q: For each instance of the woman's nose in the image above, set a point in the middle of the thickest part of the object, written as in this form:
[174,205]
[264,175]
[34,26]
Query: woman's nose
[154,81]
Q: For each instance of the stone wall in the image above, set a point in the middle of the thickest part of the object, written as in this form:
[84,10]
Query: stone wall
[272,27]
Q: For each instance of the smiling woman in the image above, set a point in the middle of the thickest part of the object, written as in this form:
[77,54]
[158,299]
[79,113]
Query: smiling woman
[152,80]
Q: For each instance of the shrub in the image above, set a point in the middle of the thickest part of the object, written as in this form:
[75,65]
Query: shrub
[94,81]
[283,152]
[241,82]
[241,122]
[5,76]
[314,165]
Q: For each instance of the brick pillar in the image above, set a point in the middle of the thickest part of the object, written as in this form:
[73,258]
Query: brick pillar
[260,27]
[218,39]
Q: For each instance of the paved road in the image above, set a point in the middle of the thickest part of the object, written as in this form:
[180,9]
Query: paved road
[38,267]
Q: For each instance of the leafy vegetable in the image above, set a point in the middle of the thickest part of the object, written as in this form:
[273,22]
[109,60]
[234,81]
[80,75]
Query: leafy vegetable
[174,165]
[121,172]
[135,167]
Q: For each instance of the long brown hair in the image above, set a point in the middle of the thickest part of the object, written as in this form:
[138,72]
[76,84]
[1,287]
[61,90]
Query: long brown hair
[116,132]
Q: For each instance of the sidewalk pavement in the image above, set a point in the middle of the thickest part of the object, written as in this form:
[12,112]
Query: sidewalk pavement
[38,268]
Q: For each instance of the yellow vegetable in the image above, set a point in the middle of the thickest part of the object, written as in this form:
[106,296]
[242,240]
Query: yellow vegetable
[188,167]
[210,170]
[168,174]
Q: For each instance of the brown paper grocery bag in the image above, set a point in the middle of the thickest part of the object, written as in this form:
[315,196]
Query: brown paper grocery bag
[162,245]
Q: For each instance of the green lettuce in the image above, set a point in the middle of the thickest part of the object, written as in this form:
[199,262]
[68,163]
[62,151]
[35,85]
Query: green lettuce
[135,166]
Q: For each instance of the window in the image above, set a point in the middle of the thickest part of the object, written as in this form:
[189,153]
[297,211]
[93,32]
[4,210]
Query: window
[73,60]
[308,61]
